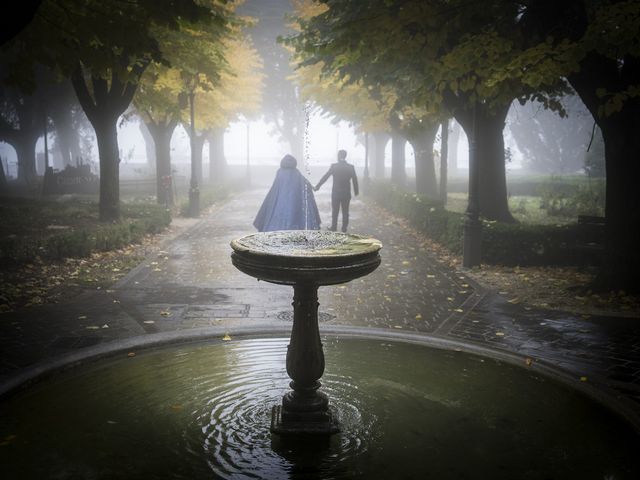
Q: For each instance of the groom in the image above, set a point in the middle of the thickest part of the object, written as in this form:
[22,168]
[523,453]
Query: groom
[343,174]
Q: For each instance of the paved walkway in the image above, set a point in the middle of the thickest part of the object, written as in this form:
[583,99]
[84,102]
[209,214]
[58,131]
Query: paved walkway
[191,285]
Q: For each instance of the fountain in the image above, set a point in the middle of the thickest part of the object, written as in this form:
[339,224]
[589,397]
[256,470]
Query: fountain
[306,260]
[192,405]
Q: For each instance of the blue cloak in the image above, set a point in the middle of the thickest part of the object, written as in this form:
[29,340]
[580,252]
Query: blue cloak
[290,204]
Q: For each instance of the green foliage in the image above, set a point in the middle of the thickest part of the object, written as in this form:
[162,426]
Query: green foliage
[581,199]
[502,243]
[56,230]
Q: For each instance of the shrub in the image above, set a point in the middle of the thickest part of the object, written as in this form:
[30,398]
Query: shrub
[504,244]
[79,234]
[580,199]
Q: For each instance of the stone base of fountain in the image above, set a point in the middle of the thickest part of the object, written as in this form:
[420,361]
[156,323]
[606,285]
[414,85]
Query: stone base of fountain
[284,422]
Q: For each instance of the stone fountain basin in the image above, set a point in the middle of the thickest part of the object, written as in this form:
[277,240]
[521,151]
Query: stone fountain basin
[291,257]
[412,406]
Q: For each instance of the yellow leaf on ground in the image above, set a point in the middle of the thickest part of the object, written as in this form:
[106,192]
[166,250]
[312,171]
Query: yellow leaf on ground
[226,337]
[418,317]
[131,354]
[583,379]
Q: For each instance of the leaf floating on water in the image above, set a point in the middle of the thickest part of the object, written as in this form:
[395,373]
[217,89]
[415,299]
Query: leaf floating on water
[529,362]
[226,337]
[131,354]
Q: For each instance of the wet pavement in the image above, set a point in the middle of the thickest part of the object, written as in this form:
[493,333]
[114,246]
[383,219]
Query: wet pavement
[189,284]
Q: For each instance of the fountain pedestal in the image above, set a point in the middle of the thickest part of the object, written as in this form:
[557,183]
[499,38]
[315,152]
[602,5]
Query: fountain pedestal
[306,260]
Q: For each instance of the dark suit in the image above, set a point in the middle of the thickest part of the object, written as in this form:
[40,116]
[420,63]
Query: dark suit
[343,174]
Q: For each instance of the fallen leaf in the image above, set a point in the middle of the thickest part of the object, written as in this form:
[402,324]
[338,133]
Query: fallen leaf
[583,379]
[500,334]
[529,362]
[165,313]
[226,337]
[149,321]
[131,354]
[418,317]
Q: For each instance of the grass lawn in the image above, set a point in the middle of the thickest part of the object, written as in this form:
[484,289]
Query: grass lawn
[526,209]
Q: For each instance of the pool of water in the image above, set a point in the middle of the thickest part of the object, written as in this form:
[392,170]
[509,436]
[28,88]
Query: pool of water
[202,411]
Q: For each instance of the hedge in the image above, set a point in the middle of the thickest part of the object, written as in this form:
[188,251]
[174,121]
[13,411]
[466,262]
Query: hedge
[502,243]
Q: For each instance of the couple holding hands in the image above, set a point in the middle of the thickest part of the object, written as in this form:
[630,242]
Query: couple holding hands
[291,205]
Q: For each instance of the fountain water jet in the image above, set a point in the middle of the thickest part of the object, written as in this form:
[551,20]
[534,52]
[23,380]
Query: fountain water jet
[306,260]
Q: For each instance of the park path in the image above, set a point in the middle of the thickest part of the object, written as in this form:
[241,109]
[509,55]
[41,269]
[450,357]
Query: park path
[190,285]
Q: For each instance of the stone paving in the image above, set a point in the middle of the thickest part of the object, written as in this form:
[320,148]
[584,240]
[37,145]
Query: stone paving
[190,284]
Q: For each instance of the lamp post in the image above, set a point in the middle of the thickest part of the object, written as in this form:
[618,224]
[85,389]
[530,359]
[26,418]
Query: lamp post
[472,232]
[194,190]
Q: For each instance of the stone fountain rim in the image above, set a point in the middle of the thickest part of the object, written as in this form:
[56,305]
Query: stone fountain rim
[596,389]
[238,247]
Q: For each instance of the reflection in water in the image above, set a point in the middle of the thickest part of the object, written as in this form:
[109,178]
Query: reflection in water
[406,411]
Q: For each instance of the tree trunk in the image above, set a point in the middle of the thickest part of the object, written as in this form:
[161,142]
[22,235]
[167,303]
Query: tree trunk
[149,146]
[67,139]
[161,134]
[620,131]
[217,161]
[622,210]
[492,187]
[25,145]
[422,144]
[103,104]
[444,160]
[108,152]
[380,140]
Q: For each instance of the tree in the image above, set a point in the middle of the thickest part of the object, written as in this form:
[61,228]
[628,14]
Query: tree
[105,46]
[551,143]
[429,51]
[282,105]
[595,45]
[158,102]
